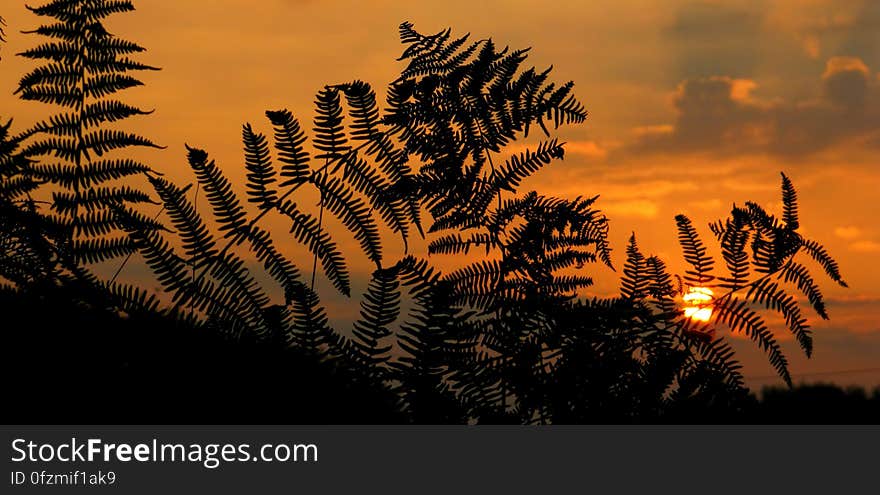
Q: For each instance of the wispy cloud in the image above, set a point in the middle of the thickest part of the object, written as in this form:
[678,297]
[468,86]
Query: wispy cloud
[641,208]
[848,232]
[865,246]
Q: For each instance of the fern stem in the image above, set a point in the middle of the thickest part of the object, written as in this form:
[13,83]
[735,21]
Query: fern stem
[192,302]
[503,250]
[761,279]
[128,257]
[80,141]
[315,257]
[237,235]
[488,156]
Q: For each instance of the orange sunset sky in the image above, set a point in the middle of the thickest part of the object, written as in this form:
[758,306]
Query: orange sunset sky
[693,105]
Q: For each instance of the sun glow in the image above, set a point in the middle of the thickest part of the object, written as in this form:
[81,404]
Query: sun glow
[699,300]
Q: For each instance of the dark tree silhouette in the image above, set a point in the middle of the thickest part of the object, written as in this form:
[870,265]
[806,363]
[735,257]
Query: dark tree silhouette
[507,338]
[817,404]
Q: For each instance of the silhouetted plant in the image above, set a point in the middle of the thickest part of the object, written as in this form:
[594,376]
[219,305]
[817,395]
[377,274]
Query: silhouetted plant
[2,30]
[502,339]
[819,403]
[33,247]
[83,67]
[25,251]
[509,337]
[759,251]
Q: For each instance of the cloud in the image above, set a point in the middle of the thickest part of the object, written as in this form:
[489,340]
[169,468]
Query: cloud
[719,115]
[652,189]
[846,81]
[811,46]
[589,149]
[865,247]
[648,131]
[848,232]
[855,313]
[709,204]
[711,38]
[862,36]
[853,300]
[831,27]
[640,208]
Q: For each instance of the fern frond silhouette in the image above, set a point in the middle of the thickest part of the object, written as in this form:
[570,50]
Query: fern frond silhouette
[2,31]
[759,251]
[83,68]
[506,337]
[511,335]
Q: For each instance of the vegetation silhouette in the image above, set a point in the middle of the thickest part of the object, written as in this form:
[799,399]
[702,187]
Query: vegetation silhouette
[508,338]
[819,403]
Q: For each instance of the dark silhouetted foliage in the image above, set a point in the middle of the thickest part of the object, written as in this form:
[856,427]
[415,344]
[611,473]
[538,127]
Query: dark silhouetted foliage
[510,337]
[816,404]
[2,30]
[82,68]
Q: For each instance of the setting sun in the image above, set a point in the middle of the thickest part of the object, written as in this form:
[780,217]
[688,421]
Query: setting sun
[699,300]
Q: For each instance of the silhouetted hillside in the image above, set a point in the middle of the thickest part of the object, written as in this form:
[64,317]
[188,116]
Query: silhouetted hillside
[66,361]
